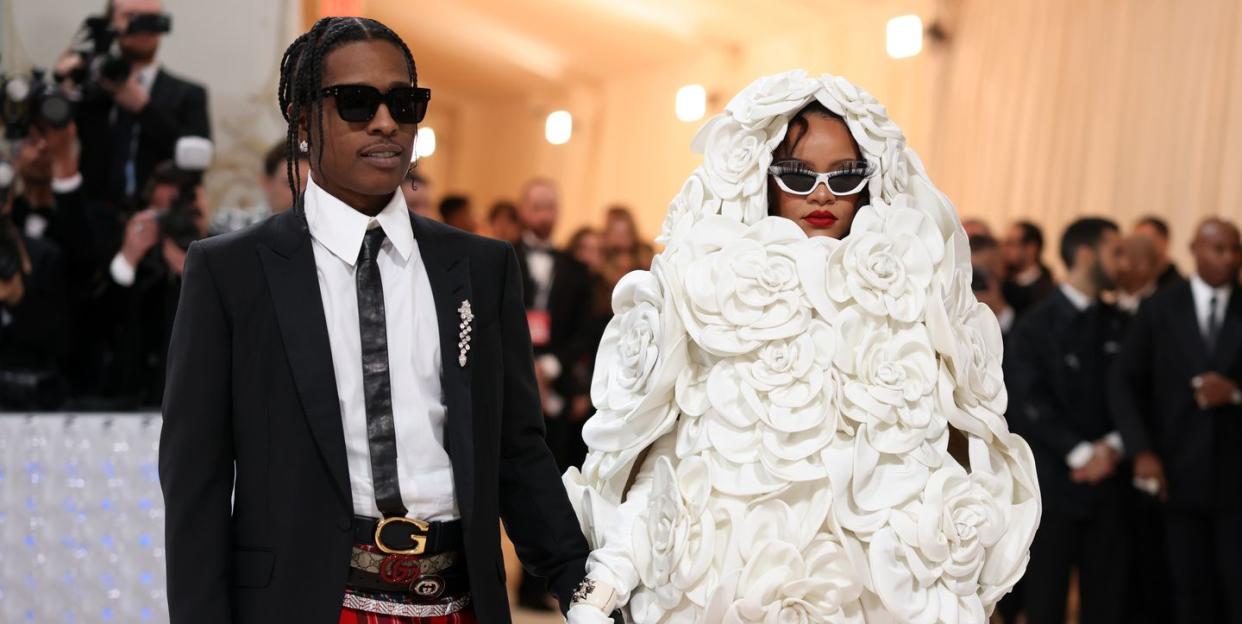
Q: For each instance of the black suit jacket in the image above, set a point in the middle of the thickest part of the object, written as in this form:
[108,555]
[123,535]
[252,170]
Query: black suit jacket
[1056,367]
[144,314]
[1022,298]
[1170,276]
[569,311]
[177,108]
[250,384]
[1155,406]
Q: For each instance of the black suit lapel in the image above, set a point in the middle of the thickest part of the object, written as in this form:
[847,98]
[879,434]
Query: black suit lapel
[289,264]
[528,284]
[1230,339]
[160,87]
[448,270]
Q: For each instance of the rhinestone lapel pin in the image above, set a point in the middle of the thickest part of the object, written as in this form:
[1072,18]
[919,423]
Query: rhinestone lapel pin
[463,336]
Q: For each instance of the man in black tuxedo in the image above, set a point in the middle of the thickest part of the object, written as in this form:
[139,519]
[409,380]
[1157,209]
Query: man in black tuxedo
[351,406]
[1176,397]
[1027,280]
[1056,361]
[558,300]
[129,128]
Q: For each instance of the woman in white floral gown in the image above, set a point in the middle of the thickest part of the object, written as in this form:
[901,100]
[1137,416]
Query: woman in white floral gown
[776,396]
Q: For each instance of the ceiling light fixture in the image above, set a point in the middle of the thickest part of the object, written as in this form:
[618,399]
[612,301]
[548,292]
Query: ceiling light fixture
[904,36]
[559,127]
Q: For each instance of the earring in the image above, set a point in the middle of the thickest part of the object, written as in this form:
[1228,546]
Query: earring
[303,146]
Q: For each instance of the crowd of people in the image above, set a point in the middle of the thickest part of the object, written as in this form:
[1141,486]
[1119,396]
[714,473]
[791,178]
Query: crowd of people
[1123,379]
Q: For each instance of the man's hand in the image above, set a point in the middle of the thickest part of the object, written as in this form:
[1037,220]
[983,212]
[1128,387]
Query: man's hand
[1148,467]
[174,256]
[1213,390]
[579,408]
[128,95]
[12,290]
[141,234]
[1103,462]
[68,62]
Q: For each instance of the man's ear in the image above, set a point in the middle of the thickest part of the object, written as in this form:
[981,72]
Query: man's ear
[303,132]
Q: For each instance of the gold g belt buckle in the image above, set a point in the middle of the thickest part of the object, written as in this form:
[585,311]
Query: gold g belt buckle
[418,535]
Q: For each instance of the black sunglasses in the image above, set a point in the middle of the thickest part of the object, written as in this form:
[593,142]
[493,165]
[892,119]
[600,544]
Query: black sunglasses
[358,103]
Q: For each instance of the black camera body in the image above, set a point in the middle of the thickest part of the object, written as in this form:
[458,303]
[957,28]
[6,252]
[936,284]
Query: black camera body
[32,100]
[97,47]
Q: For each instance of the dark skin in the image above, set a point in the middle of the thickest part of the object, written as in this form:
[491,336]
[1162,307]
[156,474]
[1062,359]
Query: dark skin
[825,146]
[345,170]
[1217,249]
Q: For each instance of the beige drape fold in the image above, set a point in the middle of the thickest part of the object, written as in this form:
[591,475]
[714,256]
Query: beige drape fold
[1057,108]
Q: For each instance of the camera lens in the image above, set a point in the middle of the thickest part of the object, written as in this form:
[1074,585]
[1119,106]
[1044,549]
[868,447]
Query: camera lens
[56,110]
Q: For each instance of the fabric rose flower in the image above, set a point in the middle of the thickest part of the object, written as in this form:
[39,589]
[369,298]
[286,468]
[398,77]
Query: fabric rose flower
[1006,469]
[741,284]
[675,540]
[927,563]
[890,373]
[968,335]
[735,168]
[639,358]
[784,578]
[772,96]
[776,406]
[686,207]
[887,262]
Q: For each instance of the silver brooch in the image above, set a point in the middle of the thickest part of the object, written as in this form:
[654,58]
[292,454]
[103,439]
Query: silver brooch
[463,337]
[584,590]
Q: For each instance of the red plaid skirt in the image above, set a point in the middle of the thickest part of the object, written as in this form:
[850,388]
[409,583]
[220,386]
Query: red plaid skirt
[354,616]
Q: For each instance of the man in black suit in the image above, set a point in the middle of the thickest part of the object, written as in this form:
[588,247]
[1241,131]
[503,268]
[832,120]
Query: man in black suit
[129,128]
[1056,361]
[350,406]
[1156,230]
[557,299]
[1176,396]
[1027,280]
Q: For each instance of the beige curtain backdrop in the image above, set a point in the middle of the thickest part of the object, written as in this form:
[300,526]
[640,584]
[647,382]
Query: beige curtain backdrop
[1058,108]
[1039,109]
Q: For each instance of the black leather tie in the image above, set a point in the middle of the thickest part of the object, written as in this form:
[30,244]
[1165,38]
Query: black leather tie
[376,387]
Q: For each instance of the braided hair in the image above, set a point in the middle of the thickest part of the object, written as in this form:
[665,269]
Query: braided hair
[301,80]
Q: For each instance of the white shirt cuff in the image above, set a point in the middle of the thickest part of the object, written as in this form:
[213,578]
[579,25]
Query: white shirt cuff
[122,273]
[61,186]
[1113,439]
[1080,456]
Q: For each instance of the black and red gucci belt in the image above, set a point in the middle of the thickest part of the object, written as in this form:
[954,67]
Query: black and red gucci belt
[418,578]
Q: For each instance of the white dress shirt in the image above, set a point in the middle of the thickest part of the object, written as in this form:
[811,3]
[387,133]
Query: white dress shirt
[1203,299]
[540,262]
[423,467]
[1082,452]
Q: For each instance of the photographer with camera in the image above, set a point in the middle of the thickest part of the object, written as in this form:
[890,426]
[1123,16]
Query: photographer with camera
[146,272]
[33,308]
[127,101]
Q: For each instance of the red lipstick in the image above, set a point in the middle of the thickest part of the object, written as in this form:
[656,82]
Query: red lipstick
[820,219]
